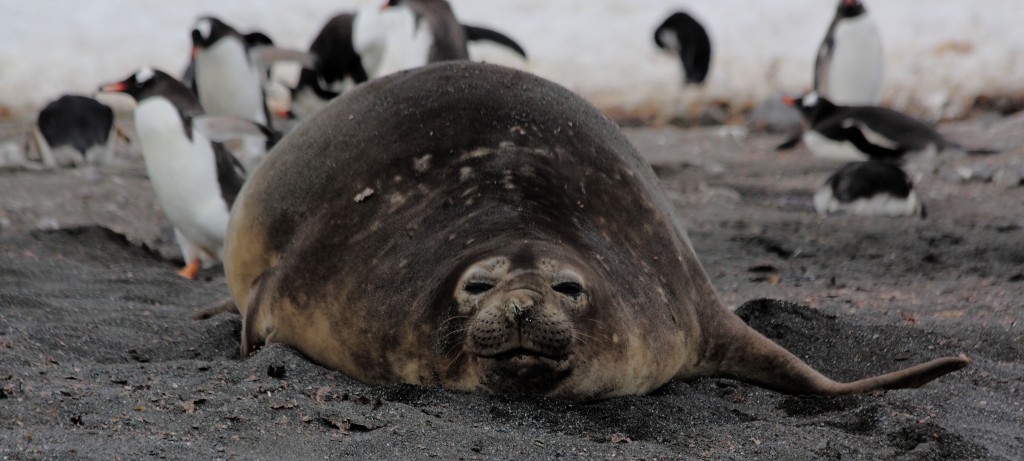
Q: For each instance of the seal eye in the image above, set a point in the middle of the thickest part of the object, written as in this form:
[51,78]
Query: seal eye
[475,288]
[569,289]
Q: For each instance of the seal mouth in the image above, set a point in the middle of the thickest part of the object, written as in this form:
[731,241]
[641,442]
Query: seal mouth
[522,353]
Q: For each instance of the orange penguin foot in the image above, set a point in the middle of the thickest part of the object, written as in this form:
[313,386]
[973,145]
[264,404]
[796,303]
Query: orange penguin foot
[190,270]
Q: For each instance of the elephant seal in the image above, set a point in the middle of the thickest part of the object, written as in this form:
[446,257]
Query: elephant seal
[478,228]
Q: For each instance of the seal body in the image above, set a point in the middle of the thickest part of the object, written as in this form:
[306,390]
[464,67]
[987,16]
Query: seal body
[479,228]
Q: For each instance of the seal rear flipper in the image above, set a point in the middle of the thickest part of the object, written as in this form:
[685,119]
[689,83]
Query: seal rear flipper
[751,357]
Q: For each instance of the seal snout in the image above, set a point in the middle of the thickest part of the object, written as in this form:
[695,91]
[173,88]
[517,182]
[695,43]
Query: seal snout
[520,322]
[519,304]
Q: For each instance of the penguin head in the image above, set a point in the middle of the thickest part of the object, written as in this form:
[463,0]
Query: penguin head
[137,84]
[208,30]
[850,9]
[809,105]
[144,83]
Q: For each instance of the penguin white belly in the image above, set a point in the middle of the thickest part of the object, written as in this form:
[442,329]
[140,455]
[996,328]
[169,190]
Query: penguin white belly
[882,204]
[370,39]
[823,147]
[857,65]
[184,176]
[408,43]
[229,82]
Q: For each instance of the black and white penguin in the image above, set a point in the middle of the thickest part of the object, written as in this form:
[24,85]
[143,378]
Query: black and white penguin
[683,35]
[75,130]
[869,188]
[350,49]
[850,62]
[856,133]
[435,35]
[228,77]
[347,51]
[195,179]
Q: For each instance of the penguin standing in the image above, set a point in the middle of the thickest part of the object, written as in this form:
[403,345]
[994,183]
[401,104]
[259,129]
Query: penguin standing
[351,48]
[346,52]
[228,78]
[75,130]
[849,66]
[683,35]
[421,32]
[195,179]
[869,188]
[856,133]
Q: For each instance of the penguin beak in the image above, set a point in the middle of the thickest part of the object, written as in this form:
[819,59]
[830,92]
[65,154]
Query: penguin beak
[789,101]
[195,51]
[385,6]
[114,87]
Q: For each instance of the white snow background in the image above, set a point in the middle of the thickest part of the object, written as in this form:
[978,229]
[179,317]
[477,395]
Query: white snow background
[940,54]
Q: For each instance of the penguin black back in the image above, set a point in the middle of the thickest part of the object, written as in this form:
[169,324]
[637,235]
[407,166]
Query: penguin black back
[76,121]
[684,35]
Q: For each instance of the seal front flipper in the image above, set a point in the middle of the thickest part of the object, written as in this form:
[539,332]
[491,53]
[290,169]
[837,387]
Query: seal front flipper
[257,318]
[738,351]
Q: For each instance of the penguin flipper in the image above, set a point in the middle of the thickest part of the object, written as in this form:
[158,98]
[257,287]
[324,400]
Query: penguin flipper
[791,142]
[873,150]
[475,33]
[267,55]
[221,128]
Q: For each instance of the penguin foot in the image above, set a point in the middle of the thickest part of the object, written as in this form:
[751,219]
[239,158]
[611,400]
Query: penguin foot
[190,270]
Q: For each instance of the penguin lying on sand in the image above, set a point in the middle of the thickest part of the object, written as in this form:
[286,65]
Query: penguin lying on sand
[869,188]
[73,131]
[855,133]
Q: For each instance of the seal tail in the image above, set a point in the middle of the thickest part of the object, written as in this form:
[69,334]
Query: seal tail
[753,358]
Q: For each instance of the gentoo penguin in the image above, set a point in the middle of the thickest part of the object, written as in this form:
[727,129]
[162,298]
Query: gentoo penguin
[849,66]
[349,50]
[683,35]
[75,130]
[228,78]
[855,133]
[196,180]
[869,188]
[436,35]
[346,52]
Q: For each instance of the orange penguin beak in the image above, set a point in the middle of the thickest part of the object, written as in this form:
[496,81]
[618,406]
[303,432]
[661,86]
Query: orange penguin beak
[195,51]
[789,101]
[120,86]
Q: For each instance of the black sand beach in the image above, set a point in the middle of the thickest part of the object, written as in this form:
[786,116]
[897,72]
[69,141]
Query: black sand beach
[99,358]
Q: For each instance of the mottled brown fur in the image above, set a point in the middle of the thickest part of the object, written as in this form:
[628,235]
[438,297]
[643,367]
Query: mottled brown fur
[371,213]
